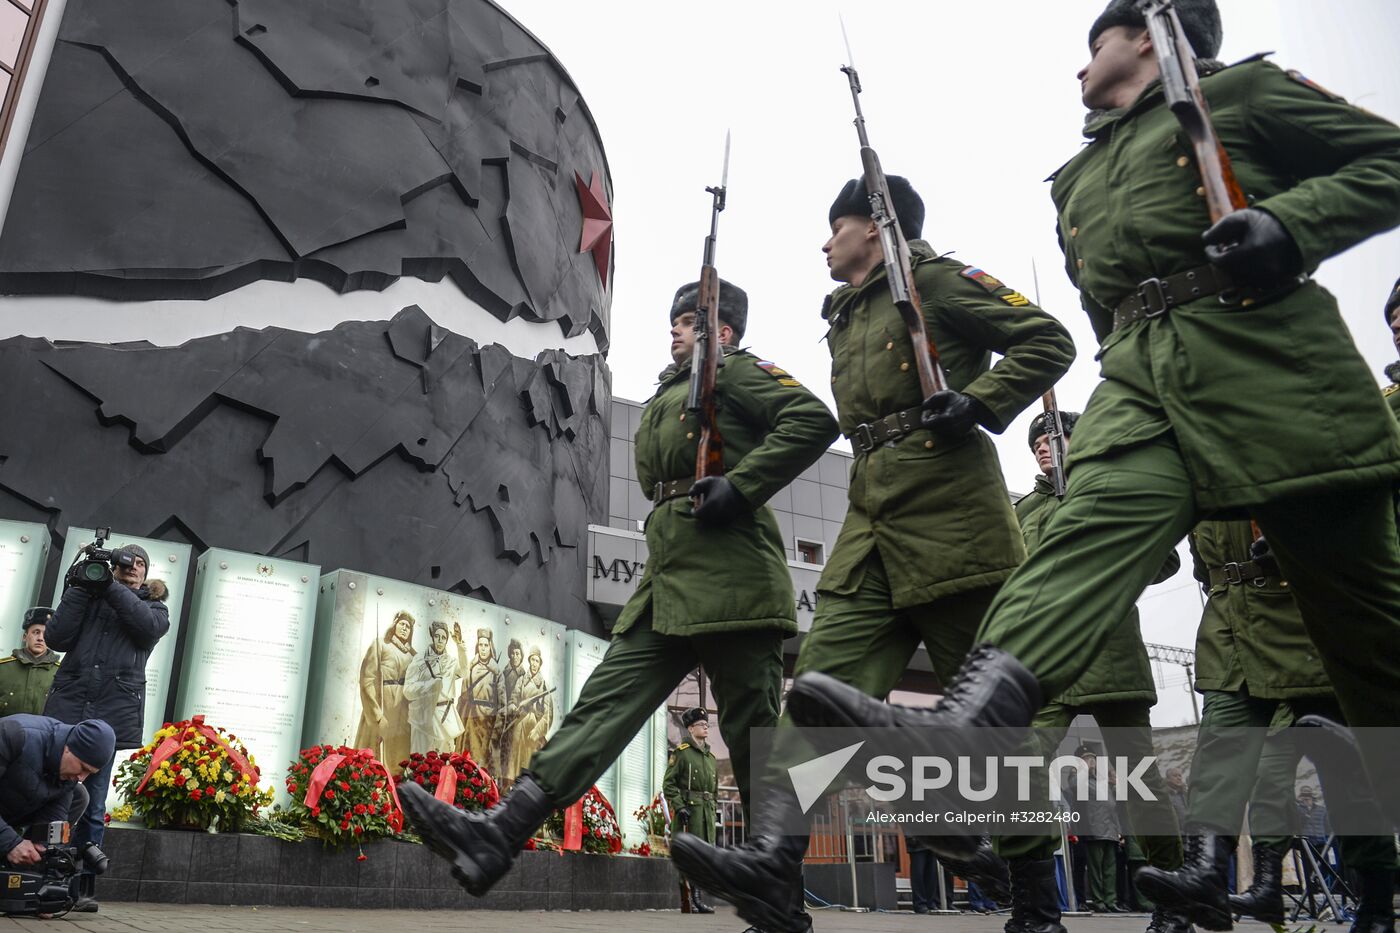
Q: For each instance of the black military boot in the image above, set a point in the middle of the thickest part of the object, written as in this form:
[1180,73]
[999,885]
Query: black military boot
[1198,889]
[1035,897]
[480,846]
[982,866]
[762,877]
[1169,921]
[1377,911]
[697,902]
[1263,900]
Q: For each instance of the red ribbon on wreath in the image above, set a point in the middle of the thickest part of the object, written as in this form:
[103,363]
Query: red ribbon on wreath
[447,784]
[573,827]
[321,776]
[171,744]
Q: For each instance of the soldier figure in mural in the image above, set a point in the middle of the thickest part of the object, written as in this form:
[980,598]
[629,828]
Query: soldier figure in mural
[384,708]
[480,701]
[529,714]
[506,685]
[430,685]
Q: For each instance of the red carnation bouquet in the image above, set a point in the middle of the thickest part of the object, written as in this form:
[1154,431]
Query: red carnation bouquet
[451,777]
[344,794]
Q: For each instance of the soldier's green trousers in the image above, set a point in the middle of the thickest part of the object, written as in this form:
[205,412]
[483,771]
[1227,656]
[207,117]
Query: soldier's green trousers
[1233,742]
[1121,515]
[862,640]
[1129,734]
[638,672]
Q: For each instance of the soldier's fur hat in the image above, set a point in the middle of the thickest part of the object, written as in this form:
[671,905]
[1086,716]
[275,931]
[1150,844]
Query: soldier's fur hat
[436,624]
[535,653]
[487,634]
[733,305]
[853,201]
[693,715]
[1040,424]
[1200,19]
[39,615]
[515,646]
[1392,303]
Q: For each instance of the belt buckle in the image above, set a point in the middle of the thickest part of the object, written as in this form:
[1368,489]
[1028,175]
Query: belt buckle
[1148,289]
[1232,573]
[864,439]
[658,492]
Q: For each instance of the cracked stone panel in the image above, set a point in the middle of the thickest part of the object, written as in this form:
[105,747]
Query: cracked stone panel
[398,448]
[354,144]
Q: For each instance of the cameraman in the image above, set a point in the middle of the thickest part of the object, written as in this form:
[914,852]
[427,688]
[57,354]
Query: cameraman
[41,762]
[108,634]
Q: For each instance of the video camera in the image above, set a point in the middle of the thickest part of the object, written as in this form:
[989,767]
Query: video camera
[92,568]
[54,885]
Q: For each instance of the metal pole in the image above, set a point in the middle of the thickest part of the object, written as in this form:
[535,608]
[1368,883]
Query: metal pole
[1191,689]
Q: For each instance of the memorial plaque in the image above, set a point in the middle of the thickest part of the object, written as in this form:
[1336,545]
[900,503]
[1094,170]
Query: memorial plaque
[247,653]
[24,548]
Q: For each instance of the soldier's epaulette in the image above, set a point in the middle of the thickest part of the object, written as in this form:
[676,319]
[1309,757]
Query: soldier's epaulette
[994,285]
[8,660]
[1387,392]
[682,746]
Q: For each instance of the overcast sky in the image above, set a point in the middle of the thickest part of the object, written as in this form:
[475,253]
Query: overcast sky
[975,102]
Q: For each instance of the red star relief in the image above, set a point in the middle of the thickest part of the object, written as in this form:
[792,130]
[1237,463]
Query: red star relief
[597,223]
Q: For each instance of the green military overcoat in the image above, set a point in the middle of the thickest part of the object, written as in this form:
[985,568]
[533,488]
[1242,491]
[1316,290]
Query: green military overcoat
[25,681]
[937,511]
[701,579]
[1234,383]
[1251,633]
[1122,671]
[691,783]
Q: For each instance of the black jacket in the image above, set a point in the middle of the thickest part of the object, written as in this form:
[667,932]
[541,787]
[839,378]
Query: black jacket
[31,793]
[108,638]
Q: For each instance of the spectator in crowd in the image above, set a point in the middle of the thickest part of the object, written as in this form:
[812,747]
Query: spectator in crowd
[42,762]
[1176,793]
[27,674]
[1098,829]
[108,633]
[923,876]
[1312,816]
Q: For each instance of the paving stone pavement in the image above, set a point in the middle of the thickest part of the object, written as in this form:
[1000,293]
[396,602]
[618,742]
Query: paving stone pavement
[201,918]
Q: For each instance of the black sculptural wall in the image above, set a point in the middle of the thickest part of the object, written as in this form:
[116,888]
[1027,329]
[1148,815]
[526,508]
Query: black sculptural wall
[187,148]
[398,448]
[193,146]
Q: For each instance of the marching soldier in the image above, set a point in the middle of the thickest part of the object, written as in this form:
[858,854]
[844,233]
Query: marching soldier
[480,702]
[1229,383]
[1117,690]
[929,535]
[384,724]
[1259,672]
[690,786]
[716,591]
[27,674]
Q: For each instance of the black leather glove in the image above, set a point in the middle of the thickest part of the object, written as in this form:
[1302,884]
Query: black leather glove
[1263,557]
[1254,248]
[683,814]
[951,414]
[719,502]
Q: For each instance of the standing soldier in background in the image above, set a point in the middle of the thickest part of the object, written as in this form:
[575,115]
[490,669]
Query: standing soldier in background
[27,674]
[1117,690]
[716,592]
[1259,672]
[384,725]
[1229,383]
[691,786]
[930,534]
[481,703]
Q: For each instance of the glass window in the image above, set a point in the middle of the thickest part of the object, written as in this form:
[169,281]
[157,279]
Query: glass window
[13,24]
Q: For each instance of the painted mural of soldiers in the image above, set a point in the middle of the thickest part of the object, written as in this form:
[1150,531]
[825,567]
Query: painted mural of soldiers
[716,591]
[480,702]
[384,723]
[430,687]
[691,784]
[507,682]
[533,714]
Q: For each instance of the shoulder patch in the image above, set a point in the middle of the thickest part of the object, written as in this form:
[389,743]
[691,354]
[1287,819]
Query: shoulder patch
[671,759]
[988,281]
[777,372]
[1304,80]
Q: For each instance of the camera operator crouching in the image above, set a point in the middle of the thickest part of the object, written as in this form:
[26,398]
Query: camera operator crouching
[42,762]
[107,623]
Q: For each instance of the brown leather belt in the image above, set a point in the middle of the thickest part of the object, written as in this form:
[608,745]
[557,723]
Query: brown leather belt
[671,489]
[866,437]
[1155,297]
[1236,573]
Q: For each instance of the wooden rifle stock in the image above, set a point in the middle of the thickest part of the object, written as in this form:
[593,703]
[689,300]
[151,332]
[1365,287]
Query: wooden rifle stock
[1055,433]
[709,456]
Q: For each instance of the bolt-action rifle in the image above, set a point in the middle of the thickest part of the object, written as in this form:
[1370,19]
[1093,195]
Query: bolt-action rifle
[1182,88]
[1054,424]
[705,359]
[899,269]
